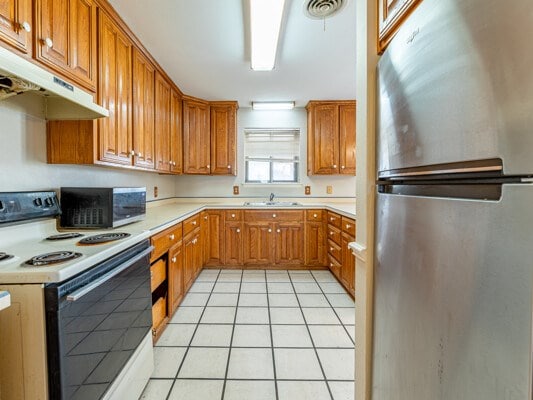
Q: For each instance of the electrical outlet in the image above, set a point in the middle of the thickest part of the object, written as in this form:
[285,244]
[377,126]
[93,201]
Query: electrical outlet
[156,191]
[235,190]
[329,189]
[308,190]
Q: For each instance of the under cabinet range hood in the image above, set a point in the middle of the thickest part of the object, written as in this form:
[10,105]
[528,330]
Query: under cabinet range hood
[63,101]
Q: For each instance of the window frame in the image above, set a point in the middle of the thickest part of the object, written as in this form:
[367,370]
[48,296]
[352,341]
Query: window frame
[271,160]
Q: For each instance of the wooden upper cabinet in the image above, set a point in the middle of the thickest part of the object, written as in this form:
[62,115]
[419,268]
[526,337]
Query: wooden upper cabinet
[330,137]
[143,110]
[223,137]
[162,124]
[176,133]
[391,14]
[347,139]
[196,137]
[16,25]
[65,38]
[114,93]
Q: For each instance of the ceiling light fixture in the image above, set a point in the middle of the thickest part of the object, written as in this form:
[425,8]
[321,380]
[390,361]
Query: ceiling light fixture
[272,105]
[265,25]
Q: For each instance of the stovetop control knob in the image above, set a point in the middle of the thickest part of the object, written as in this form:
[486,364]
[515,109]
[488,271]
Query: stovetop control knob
[38,202]
[49,201]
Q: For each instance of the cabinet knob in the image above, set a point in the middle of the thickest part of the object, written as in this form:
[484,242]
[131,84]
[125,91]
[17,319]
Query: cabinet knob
[273,215]
[348,226]
[238,230]
[342,167]
[48,42]
[232,215]
[334,165]
[314,215]
[194,222]
[208,166]
[332,218]
[331,233]
[171,237]
[132,152]
[331,249]
[229,166]
[25,26]
[139,154]
[205,217]
[270,230]
[173,259]
[278,230]
[331,265]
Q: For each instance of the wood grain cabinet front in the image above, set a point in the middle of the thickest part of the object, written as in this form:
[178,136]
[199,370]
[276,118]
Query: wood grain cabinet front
[223,137]
[175,277]
[331,137]
[215,238]
[16,25]
[196,137]
[65,39]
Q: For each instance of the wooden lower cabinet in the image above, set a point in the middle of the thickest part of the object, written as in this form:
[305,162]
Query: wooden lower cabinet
[191,257]
[258,243]
[175,277]
[233,240]
[341,262]
[214,248]
[289,243]
[347,272]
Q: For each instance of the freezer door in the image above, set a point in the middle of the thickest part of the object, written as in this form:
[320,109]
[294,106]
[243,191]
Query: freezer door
[453,297]
[456,84]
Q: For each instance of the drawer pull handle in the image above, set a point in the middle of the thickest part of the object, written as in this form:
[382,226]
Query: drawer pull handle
[273,215]
[348,226]
[331,249]
[173,259]
[26,26]
[171,237]
[332,218]
[314,215]
[194,222]
[232,215]
[205,217]
[331,233]
[342,167]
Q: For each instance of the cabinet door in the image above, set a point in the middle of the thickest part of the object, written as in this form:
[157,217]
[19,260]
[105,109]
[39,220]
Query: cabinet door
[204,237]
[347,272]
[189,260]
[324,139]
[392,13]
[16,24]
[289,243]
[233,243]
[176,133]
[215,238]
[162,124]
[223,137]
[82,41]
[175,277]
[258,243]
[347,139]
[315,244]
[196,138]
[143,110]
[115,139]
[52,32]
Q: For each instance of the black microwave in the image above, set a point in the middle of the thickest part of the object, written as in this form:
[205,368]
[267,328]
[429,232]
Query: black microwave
[101,207]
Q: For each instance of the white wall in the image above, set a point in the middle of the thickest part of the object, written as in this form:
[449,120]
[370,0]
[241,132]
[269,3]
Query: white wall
[214,186]
[23,162]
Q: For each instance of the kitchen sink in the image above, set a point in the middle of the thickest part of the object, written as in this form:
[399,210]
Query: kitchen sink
[271,203]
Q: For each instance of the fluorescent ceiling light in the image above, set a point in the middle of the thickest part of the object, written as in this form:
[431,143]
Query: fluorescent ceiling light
[272,105]
[265,22]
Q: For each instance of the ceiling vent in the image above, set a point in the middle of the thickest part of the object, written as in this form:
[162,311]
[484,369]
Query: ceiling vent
[321,9]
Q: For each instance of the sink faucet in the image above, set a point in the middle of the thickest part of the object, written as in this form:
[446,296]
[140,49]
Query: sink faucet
[271,197]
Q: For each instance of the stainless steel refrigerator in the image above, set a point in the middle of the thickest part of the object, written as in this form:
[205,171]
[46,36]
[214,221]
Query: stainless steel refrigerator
[454,212]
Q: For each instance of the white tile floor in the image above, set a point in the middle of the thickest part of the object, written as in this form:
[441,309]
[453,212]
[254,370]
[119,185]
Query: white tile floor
[258,335]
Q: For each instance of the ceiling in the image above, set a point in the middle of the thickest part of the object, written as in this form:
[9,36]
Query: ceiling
[203,46]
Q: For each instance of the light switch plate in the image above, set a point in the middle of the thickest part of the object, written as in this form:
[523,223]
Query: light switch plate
[329,189]
[308,190]
[235,190]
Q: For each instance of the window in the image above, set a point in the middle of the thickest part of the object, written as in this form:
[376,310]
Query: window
[271,155]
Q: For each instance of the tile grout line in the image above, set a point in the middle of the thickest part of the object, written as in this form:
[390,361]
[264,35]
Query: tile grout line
[231,340]
[334,311]
[311,337]
[271,339]
[192,338]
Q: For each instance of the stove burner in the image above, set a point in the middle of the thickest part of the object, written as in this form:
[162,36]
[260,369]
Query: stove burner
[5,256]
[63,236]
[104,238]
[52,258]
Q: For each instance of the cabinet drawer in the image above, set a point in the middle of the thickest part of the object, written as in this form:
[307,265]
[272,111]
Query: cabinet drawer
[190,224]
[348,226]
[234,215]
[334,219]
[159,311]
[165,240]
[334,266]
[314,215]
[334,234]
[274,215]
[334,250]
[158,273]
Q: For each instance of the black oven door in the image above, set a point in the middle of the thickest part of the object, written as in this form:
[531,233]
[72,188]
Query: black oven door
[94,323]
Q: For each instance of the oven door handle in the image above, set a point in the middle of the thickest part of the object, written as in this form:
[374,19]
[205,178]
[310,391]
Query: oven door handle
[76,295]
